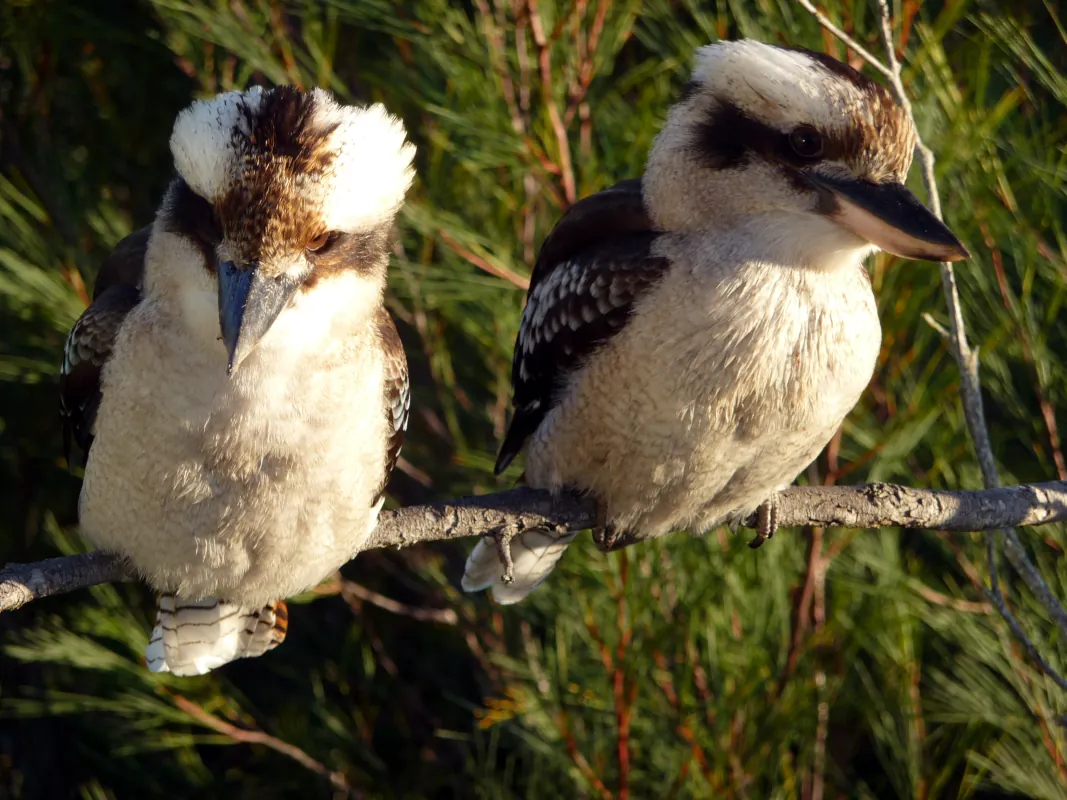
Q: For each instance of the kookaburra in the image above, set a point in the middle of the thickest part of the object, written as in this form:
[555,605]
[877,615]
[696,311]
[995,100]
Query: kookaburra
[693,338]
[242,387]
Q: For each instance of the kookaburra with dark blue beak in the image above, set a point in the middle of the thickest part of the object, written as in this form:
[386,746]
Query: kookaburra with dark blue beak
[693,338]
[241,385]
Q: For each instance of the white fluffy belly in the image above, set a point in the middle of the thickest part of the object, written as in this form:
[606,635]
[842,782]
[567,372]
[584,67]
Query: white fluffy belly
[651,482]
[713,398]
[251,488]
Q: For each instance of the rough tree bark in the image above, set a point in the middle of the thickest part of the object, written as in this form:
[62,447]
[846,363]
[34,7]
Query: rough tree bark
[506,514]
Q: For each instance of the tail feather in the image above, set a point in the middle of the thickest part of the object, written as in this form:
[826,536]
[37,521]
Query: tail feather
[534,553]
[192,637]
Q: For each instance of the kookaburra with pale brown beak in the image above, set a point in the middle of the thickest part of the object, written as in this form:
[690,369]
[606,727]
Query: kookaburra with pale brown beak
[243,388]
[692,339]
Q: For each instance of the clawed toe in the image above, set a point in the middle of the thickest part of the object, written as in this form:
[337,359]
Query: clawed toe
[766,521]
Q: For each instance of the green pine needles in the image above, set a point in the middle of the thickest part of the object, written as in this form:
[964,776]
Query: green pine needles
[831,664]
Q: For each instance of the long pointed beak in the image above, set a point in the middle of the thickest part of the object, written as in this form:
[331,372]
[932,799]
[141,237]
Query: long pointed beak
[249,303]
[890,217]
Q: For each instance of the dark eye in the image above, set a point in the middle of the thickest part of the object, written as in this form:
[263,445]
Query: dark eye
[806,142]
[319,242]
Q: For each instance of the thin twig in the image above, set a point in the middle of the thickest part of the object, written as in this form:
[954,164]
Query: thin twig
[245,736]
[844,37]
[966,358]
[484,264]
[585,69]
[351,589]
[580,760]
[822,713]
[544,60]
[939,599]
[996,597]
[624,697]
[495,38]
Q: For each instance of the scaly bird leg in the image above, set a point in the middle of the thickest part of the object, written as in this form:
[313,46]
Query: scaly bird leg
[766,521]
[503,543]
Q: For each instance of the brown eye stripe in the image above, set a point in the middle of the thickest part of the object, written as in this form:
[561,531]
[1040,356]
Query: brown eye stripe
[190,215]
[728,137]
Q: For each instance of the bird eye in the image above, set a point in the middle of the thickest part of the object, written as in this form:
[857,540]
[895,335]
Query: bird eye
[319,242]
[806,142]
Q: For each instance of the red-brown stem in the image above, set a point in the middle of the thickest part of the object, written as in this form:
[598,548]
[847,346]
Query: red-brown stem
[578,759]
[482,264]
[585,68]
[544,61]
[623,698]
[245,736]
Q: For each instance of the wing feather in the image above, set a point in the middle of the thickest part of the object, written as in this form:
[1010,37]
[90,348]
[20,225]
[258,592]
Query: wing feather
[590,272]
[89,344]
[397,399]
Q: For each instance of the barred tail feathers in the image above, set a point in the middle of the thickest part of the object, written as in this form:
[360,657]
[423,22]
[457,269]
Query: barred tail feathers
[193,637]
[534,553]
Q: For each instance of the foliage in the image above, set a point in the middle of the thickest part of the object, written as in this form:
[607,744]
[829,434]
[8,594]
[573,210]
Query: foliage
[857,663]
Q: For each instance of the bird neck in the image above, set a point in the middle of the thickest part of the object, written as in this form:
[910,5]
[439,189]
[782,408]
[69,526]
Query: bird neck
[790,239]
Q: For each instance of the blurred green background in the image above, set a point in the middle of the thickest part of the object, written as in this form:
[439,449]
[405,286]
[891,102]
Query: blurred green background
[836,664]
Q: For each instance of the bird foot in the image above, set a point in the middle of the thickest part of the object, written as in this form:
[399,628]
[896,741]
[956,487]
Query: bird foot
[503,544]
[766,521]
[606,535]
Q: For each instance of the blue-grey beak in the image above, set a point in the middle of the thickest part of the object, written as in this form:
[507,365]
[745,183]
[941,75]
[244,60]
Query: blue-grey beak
[249,303]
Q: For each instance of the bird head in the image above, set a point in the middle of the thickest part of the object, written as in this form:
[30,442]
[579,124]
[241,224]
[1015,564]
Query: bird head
[281,192]
[800,148]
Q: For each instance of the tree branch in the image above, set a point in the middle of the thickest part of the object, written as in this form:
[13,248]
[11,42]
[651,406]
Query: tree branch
[517,510]
[967,360]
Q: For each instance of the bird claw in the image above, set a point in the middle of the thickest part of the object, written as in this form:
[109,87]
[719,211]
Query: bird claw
[608,536]
[601,519]
[766,521]
[503,544]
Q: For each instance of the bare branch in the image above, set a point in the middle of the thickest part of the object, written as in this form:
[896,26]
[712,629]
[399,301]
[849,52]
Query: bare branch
[845,38]
[967,360]
[996,597]
[512,512]
[354,594]
[971,387]
[21,583]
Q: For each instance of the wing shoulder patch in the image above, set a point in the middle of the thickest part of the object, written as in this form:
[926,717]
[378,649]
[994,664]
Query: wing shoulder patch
[573,310]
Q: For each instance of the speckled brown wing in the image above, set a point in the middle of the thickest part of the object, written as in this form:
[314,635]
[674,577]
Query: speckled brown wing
[89,344]
[591,270]
[397,397]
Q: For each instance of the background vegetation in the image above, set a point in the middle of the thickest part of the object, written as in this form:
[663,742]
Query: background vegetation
[845,664]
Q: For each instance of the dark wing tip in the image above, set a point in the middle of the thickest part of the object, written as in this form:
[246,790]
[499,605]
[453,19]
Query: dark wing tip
[607,230]
[512,446]
[523,424]
[68,444]
[87,349]
[504,459]
[397,394]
